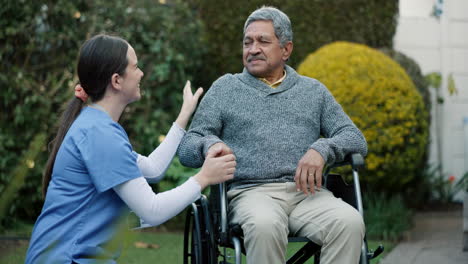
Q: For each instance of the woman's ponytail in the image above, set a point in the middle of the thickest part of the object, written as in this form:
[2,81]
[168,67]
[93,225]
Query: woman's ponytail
[66,120]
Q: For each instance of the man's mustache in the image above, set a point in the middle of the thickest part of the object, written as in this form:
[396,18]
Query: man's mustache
[251,58]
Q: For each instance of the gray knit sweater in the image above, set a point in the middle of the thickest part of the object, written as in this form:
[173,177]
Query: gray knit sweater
[268,129]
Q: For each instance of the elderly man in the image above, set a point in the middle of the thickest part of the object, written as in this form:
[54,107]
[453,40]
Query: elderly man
[283,128]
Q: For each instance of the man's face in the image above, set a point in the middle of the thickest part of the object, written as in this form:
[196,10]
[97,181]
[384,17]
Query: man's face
[263,55]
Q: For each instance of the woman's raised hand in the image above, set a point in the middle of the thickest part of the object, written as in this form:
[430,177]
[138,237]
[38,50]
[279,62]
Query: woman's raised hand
[189,105]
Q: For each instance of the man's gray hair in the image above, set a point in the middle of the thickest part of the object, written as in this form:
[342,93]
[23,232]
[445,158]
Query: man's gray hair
[280,20]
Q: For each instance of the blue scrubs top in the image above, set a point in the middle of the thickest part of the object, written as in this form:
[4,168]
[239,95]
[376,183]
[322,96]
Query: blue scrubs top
[81,210]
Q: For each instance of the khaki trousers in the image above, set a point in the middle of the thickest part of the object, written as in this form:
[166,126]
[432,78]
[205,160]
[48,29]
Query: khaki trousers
[268,213]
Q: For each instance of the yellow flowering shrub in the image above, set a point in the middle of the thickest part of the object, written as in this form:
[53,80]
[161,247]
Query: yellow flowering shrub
[382,101]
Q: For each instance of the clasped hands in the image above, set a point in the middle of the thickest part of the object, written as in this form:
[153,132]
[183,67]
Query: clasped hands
[309,170]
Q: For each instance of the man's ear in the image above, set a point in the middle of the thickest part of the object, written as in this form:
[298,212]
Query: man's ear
[287,50]
[116,81]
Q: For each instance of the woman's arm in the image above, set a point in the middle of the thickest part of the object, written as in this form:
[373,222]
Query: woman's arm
[155,165]
[156,209]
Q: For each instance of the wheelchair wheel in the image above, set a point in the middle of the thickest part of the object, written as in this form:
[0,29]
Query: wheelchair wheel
[199,242]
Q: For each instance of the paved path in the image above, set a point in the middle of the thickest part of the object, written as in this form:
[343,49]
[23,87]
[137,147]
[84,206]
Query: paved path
[435,239]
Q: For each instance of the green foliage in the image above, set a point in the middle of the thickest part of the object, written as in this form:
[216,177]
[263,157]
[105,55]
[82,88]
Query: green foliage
[315,23]
[414,72]
[452,89]
[26,163]
[444,187]
[434,189]
[39,44]
[421,191]
[382,101]
[434,79]
[386,217]
[176,175]
[462,183]
[36,65]
[422,85]
[170,54]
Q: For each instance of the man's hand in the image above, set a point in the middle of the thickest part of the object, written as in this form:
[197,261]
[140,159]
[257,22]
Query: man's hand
[220,149]
[309,171]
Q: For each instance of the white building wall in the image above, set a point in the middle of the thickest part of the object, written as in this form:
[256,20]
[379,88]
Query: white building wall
[440,45]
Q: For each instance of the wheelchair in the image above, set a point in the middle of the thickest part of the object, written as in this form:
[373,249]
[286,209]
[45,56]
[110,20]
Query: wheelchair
[208,234]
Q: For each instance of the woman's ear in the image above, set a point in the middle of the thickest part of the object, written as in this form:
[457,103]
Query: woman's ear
[116,81]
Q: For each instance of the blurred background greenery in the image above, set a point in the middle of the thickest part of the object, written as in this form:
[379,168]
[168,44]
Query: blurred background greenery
[200,40]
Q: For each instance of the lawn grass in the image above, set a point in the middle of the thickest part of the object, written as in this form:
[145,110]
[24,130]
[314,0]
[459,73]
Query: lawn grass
[169,251]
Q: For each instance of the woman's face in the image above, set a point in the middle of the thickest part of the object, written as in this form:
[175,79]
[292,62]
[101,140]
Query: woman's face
[132,77]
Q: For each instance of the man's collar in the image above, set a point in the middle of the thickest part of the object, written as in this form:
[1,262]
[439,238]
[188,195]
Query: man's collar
[274,84]
[289,81]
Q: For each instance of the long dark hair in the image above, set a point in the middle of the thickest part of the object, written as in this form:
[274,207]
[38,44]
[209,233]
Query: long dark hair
[100,57]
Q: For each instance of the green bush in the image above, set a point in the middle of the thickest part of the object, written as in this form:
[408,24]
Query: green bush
[314,22]
[417,189]
[414,72]
[387,218]
[176,175]
[382,101]
[37,50]
[19,174]
[39,43]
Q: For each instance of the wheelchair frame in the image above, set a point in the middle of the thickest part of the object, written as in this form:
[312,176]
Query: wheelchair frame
[202,240]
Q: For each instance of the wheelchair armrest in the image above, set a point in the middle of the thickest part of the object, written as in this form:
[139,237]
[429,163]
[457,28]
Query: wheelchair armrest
[356,161]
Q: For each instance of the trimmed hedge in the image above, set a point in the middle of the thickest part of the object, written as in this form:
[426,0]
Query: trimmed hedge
[383,102]
[314,22]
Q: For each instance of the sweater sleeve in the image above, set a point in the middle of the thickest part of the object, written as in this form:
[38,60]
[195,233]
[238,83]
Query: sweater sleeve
[340,134]
[204,130]
[155,165]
